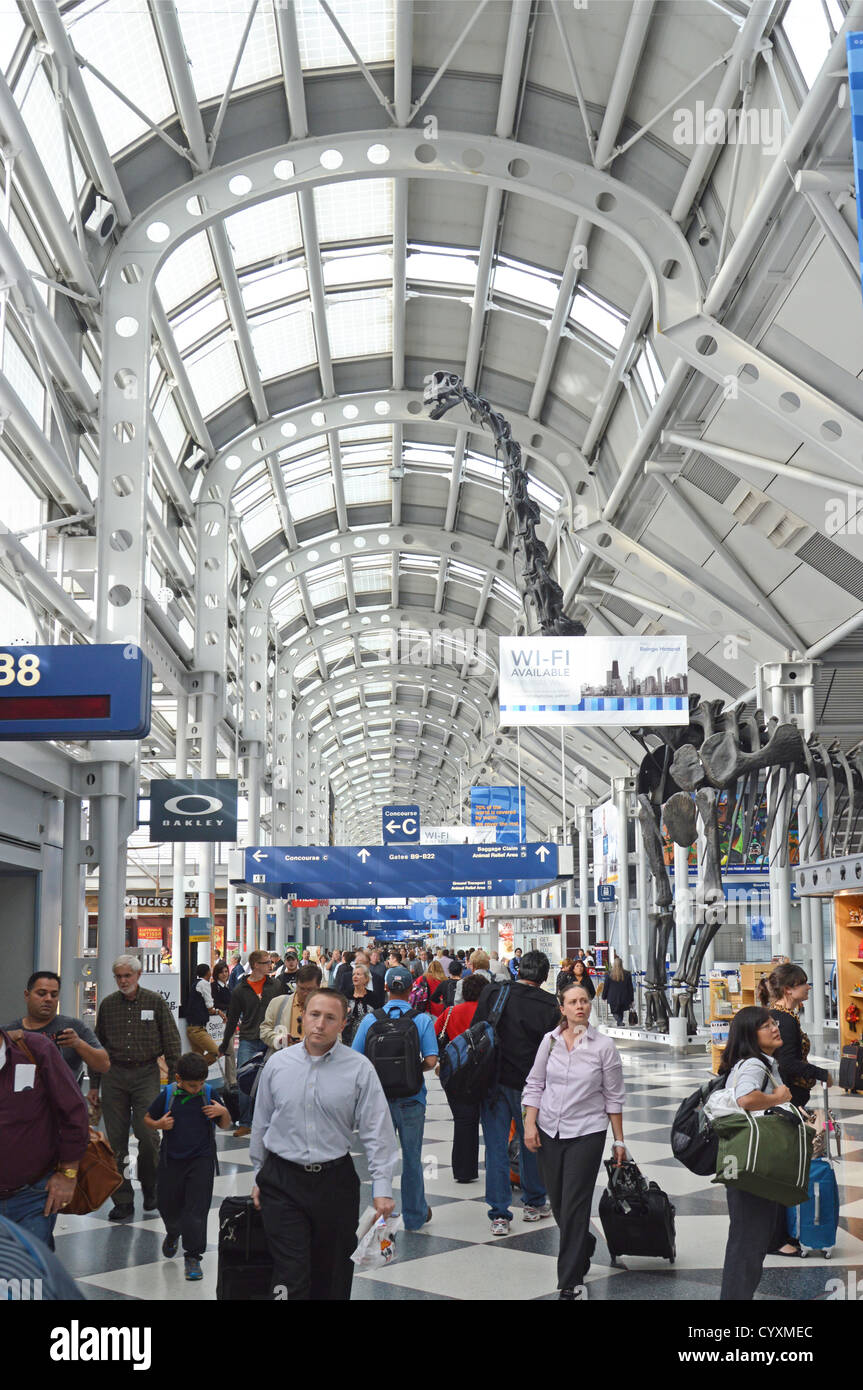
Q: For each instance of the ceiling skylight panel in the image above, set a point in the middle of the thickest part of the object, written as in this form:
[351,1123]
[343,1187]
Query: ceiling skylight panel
[438,268]
[310,499]
[215,374]
[360,324]
[369,25]
[119,39]
[212,32]
[500,589]
[525,283]
[265,231]
[367,485]
[806,27]
[600,319]
[254,486]
[348,268]
[11,29]
[371,581]
[23,379]
[186,271]
[45,126]
[27,253]
[260,525]
[325,591]
[200,320]
[170,422]
[547,498]
[268,286]
[284,342]
[354,211]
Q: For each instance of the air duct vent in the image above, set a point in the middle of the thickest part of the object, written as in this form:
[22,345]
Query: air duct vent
[717,675]
[710,477]
[834,563]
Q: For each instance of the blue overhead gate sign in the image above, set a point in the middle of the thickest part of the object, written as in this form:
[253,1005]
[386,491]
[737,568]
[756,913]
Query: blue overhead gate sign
[353,871]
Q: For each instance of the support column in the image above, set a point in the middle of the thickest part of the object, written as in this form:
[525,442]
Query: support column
[281,925]
[72,905]
[811,907]
[642,881]
[621,801]
[682,900]
[204,687]
[774,686]
[112,881]
[583,821]
[254,753]
[181,752]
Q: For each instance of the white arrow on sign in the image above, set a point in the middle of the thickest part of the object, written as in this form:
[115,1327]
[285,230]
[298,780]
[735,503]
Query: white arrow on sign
[364,855]
[258,855]
[543,853]
[393,826]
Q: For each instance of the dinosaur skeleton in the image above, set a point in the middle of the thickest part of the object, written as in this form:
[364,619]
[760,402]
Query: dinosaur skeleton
[754,763]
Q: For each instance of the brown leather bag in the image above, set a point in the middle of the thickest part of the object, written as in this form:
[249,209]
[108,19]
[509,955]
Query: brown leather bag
[98,1176]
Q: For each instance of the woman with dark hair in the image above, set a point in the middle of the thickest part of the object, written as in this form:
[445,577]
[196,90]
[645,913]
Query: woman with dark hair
[564,975]
[574,1088]
[783,993]
[617,990]
[465,1138]
[581,977]
[752,1077]
[222,1000]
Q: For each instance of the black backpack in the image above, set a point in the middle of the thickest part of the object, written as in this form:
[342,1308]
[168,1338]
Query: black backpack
[470,1063]
[392,1046]
[693,1139]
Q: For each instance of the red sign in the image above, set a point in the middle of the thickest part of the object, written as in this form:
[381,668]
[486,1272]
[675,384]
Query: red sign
[149,935]
[308,902]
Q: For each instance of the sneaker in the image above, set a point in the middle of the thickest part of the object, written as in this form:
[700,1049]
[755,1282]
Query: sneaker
[576,1295]
[500,1226]
[169,1246]
[428,1214]
[121,1212]
[536,1213]
[193,1267]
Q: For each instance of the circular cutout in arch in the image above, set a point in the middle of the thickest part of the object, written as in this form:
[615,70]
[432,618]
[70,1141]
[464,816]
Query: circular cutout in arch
[131,274]
[126,327]
[332,159]
[121,540]
[288,429]
[240,185]
[119,595]
[158,232]
[284,169]
[425,154]
[233,462]
[378,154]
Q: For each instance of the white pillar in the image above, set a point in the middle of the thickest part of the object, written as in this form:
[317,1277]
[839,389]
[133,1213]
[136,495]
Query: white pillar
[682,900]
[621,801]
[72,905]
[181,746]
[583,816]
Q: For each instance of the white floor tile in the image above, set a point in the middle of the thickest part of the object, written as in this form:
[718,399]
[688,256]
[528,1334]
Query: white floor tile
[477,1273]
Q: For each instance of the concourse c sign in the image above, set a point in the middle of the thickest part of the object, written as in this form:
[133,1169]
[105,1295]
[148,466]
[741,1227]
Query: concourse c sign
[203,808]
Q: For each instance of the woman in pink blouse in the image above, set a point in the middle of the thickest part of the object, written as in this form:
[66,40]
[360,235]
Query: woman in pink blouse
[574,1088]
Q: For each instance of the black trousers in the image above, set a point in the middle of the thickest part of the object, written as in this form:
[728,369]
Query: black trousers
[310,1221]
[752,1233]
[569,1168]
[465,1139]
[184,1190]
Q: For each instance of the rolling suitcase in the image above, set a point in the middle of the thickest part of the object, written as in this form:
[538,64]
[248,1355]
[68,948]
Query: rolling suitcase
[245,1266]
[637,1217]
[815,1222]
[849,1068]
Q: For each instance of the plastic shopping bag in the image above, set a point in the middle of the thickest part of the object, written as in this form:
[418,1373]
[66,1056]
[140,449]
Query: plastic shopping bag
[377,1240]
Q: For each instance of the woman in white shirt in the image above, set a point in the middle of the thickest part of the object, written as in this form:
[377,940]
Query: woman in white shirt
[574,1088]
[752,1078]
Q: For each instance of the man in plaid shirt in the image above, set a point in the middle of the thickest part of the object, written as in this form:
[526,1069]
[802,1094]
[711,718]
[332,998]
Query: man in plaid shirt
[135,1027]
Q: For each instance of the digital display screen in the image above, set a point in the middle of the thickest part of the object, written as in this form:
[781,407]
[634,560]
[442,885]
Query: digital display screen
[55,707]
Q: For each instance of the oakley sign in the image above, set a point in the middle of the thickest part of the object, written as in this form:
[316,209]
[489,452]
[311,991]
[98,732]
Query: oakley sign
[203,809]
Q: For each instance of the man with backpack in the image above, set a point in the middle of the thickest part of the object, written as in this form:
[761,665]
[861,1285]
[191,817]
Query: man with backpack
[527,1015]
[401,1045]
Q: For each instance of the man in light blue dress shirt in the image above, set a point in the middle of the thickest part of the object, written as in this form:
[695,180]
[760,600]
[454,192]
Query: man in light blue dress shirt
[311,1097]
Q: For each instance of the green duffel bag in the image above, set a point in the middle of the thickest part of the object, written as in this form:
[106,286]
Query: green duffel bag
[767,1155]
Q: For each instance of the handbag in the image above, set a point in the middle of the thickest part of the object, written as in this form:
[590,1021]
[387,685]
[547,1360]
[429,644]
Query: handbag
[766,1155]
[98,1177]
[632,1018]
[442,1036]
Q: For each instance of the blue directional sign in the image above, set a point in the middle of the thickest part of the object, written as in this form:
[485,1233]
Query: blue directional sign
[605,892]
[358,871]
[400,825]
[80,692]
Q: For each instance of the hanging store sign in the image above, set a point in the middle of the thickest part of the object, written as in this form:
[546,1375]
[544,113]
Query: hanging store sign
[616,681]
[202,809]
[75,693]
[605,846]
[501,809]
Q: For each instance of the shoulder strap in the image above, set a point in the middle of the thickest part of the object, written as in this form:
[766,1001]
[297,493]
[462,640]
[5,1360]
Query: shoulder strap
[25,1049]
[287,1002]
[499,1005]
[208,1093]
[170,1092]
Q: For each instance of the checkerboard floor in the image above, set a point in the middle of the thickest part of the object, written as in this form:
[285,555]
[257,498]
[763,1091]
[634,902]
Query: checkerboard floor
[456,1257]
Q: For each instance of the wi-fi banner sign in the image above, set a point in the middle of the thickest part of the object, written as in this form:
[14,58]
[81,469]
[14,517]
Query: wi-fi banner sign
[854,44]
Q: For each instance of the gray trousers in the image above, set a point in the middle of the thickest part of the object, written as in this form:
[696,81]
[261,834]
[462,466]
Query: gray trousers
[127,1094]
[752,1233]
[569,1168]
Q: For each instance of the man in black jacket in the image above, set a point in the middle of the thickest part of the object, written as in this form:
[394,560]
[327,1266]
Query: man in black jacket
[248,1006]
[528,1014]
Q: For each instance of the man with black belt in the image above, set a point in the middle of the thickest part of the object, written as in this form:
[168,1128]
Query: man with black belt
[310,1100]
[135,1027]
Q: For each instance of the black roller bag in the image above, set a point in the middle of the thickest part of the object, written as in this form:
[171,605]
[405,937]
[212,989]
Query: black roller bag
[245,1264]
[637,1217]
[850,1066]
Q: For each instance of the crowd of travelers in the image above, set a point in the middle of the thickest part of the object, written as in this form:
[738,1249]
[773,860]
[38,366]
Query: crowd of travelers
[338,1043]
